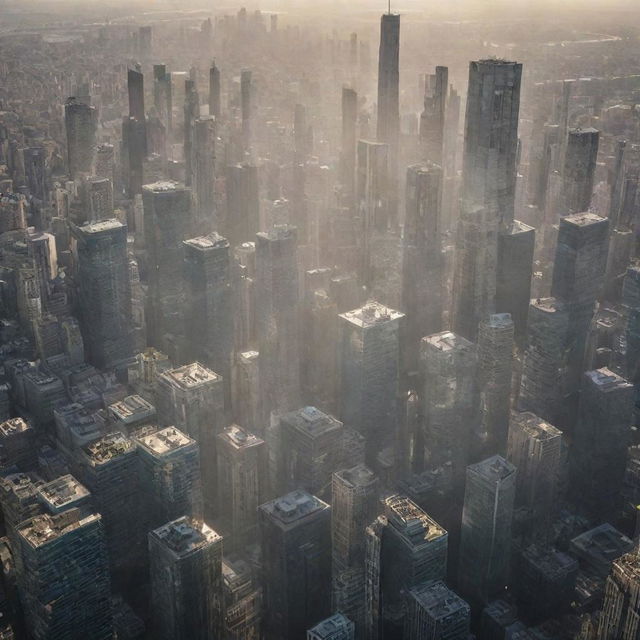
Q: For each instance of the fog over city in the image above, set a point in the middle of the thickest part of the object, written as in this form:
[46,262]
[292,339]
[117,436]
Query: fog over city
[320,320]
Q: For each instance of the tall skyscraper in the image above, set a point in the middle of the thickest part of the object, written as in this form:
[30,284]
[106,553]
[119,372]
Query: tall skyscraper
[486,529]
[241,482]
[353,507]
[246,106]
[621,609]
[450,399]
[134,133]
[422,260]
[81,122]
[600,441]
[631,306]
[214,91]
[579,169]
[433,116]
[191,399]
[191,113]
[209,323]
[436,612]
[169,476]
[186,580]
[277,320]
[488,188]
[295,533]
[369,345]
[337,627]
[203,156]
[62,572]
[349,135]
[243,203]
[104,292]
[135,89]
[389,80]
[167,222]
[162,97]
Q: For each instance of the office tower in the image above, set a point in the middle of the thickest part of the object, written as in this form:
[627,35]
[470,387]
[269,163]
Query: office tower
[191,112]
[631,307]
[545,359]
[214,91]
[167,222]
[423,275]
[135,90]
[620,611]
[486,529]
[97,198]
[246,106]
[242,600]
[62,574]
[191,398]
[17,444]
[488,188]
[209,323]
[246,399]
[169,476]
[185,558]
[162,98]
[354,504]
[543,162]
[35,171]
[413,551]
[433,116]
[81,123]
[578,279]
[349,135]
[295,533]
[243,204]
[241,482]
[310,441]
[534,448]
[450,399]
[277,322]
[109,469]
[337,627]
[436,612]
[143,372]
[373,583]
[43,392]
[369,345]
[372,200]
[20,501]
[388,126]
[42,250]
[546,583]
[579,169]
[495,368]
[12,212]
[104,292]
[602,435]
[105,162]
[203,153]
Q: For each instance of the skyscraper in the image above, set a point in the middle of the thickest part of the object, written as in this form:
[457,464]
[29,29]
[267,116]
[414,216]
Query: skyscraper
[295,534]
[337,627]
[186,580]
[349,134]
[433,116]
[162,97]
[486,529]
[243,204]
[104,292]
[203,156]
[388,80]
[246,106]
[81,122]
[579,169]
[214,91]
[277,320]
[369,345]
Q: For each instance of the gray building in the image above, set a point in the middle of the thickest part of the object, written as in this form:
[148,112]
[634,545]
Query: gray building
[81,122]
[295,535]
[243,203]
[486,529]
[388,124]
[186,580]
[579,169]
[433,116]
[337,627]
[203,156]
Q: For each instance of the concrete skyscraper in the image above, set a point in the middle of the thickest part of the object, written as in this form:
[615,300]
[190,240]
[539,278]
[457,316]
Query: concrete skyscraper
[214,91]
[104,292]
[243,203]
[486,529]
[349,135]
[203,180]
[433,116]
[388,126]
[579,169]
[369,345]
[162,97]
[81,122]
[295,533]
[186,580]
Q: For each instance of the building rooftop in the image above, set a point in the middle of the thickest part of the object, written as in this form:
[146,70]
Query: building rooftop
[517,227]
[371,314]
[548,305]
[606,380]
[109,447]
[238,438]
[358,476]
[500,320]
[211,241]
[101,226]
[439,601]
[62,493]
[600,546]
[328,627]
[131,409]
[584,219]
[278,232]
[552,563]
[293,507]
[411,520]
[12,427]
[189,376]
[248,356]
[165,441]
[42,529]
[585,130]
[534,426]
[185,536]
[447,341]
[164,186]
[23,486]
[312,421]
[495,468]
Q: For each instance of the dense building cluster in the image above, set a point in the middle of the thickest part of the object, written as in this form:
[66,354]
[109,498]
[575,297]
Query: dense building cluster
[294,345]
